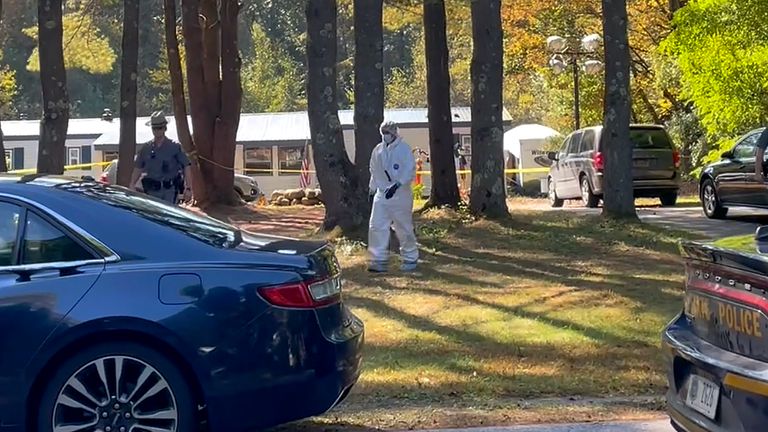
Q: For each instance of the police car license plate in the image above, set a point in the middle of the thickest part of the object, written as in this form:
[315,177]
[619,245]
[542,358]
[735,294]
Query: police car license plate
[703,395]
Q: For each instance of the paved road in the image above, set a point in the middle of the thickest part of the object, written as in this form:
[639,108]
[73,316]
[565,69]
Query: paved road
[655,426]
[739,222]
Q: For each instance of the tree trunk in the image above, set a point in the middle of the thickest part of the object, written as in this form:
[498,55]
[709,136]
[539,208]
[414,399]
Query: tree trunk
[53,79]
[649,106]
[215,94]
[230,96]
[488,193]
[128,87]
[369,81]
[618,199]
[445,188]
[344,196]
[179,101]
[3,162]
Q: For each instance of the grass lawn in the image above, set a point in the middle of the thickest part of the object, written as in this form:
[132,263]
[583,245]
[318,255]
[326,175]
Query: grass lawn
[513,321]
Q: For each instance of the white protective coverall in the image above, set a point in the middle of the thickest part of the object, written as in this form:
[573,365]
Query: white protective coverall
[397,161]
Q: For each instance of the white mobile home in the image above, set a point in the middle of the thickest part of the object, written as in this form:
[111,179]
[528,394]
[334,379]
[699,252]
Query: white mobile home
[270,146]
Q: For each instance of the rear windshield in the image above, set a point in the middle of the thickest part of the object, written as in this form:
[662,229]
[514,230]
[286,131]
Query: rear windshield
[650,138]
[201,227]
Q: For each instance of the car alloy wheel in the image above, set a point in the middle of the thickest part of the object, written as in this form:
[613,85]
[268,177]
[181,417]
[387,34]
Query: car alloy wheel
[709,197]
[712,207]
[116,394]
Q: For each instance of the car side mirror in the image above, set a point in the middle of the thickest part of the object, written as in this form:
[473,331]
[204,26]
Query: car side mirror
[727,155]
[543,161]
[552,156]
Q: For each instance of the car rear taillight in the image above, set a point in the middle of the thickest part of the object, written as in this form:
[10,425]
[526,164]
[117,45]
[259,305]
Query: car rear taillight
[597,159]
[104,178]
[303,295]
[676,158]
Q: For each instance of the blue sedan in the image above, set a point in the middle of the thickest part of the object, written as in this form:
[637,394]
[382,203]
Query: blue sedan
[120,313]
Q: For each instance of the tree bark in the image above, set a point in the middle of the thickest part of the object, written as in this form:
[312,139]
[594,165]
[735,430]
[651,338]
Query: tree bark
[211,26]
[369,81]
[230,95]
[618,197]
[53,79]
[179,101]
[344,196]
[3,162]
[488,194]
[128,87]
[445,188]
[215,93]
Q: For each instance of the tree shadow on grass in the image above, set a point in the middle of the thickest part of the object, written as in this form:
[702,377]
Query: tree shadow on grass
[527,369]
[654,294]
[383,309]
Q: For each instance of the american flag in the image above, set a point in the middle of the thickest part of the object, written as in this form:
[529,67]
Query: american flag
[304,177]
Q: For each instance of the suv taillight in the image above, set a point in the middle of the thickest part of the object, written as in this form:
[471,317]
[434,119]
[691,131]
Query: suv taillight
[676,158]
[303,295]
[104,178]
[597,159]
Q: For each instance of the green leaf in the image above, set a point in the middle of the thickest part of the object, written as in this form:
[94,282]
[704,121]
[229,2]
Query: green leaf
[85,48]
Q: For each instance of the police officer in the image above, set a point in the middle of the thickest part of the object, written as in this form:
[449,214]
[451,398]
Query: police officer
[161,160]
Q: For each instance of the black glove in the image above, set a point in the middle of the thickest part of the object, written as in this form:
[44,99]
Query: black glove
[390,192]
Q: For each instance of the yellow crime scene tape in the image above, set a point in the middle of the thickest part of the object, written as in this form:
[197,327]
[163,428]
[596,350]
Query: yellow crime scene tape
[66,168]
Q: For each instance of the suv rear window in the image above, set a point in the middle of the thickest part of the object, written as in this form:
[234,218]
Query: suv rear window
[650,138]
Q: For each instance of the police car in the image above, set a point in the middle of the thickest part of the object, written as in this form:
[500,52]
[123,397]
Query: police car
[717,347]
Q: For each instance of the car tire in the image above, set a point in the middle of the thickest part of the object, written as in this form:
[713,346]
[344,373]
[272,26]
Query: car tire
[554,201]
[668,199]
[710,201]
[125,402]
[589,199]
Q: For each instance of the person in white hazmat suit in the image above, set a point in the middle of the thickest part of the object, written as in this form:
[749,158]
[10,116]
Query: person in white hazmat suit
[393,168]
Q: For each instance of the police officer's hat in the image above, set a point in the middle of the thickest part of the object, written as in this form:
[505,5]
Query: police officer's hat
[157,119]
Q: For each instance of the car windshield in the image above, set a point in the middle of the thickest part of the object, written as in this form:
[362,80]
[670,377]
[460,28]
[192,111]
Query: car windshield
[649,138]
[201,227]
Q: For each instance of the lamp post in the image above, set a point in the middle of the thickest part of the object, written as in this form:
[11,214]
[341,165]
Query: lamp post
[569,52]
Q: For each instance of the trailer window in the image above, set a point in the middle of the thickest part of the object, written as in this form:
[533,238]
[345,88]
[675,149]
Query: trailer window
[258,161]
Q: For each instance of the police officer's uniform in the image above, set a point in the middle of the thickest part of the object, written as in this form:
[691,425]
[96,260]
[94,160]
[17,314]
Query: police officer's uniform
[161,165]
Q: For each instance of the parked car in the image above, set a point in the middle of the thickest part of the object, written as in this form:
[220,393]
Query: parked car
[576,171]
[731,181]
[246,187]
[716,349]
[161,318]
